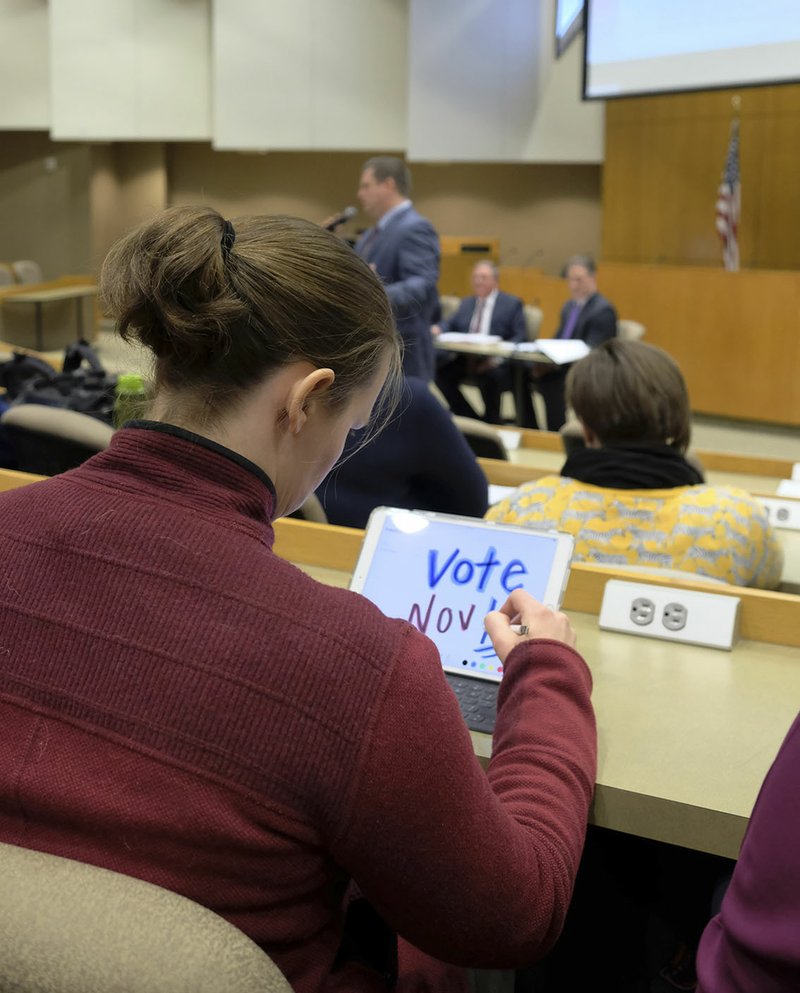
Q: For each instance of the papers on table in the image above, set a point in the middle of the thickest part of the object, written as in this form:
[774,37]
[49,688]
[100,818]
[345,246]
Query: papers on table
[558,350]
[511,439]
[498,493]
[464,338]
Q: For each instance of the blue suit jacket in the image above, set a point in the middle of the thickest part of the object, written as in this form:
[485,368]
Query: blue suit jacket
[406,257]
[597,321]
[508,317]
[397,468]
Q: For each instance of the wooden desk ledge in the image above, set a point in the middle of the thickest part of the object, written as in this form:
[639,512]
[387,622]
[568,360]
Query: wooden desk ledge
[62,282]
[734,462]
[765,615]
[500,473]
[55,359]
[12,479]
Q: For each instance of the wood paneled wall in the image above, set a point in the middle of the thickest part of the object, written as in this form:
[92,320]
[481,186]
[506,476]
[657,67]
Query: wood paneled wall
[664,160]
[734,334]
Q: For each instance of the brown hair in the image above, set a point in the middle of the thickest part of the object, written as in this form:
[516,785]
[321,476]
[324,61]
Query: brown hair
[628,392]
[585,261]
[222,305]
[389,167]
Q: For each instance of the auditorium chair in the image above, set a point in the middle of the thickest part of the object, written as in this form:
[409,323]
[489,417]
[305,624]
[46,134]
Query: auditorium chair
[533,321]
[484,440]
[49,440]
[69,927]
[27,271]
[630,330]
[448,305]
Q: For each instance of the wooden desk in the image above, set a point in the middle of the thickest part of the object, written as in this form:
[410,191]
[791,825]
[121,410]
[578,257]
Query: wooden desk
[43,295]
[755,473]
[519,359]
[686,734]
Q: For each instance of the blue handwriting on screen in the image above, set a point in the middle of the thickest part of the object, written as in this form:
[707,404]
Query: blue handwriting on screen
[444,579]
[461,570]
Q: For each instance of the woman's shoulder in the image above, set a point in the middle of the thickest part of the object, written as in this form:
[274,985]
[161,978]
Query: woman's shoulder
[350,619]
[530,499]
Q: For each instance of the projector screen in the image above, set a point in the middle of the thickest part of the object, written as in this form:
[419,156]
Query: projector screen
[659,46]
[569,21]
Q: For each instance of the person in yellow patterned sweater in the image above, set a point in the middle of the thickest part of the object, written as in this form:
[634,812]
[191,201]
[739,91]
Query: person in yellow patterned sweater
[630,497]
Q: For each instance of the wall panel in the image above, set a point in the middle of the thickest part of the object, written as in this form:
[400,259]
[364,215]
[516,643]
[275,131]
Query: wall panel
[664,160]
[542,214]
[24,65]
[310,74]
[484,86]
[130,69]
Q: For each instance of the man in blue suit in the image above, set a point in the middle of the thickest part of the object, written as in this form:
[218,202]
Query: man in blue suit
[489,311]
[587,315]
[403,249]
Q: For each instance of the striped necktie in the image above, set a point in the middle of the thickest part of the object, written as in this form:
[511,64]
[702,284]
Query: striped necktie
[369,243]
[477,317]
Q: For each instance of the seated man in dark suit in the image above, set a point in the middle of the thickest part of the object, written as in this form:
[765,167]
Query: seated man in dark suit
[489,311]
[587,315]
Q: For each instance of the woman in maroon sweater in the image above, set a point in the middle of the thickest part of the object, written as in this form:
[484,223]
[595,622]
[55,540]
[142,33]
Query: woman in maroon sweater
[179,704]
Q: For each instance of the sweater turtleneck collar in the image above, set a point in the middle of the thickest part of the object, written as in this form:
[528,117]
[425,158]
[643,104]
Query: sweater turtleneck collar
[148,455]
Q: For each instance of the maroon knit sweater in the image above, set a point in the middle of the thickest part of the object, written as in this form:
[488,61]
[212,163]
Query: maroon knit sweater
[179,704]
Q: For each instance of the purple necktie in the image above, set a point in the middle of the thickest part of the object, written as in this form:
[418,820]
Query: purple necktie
[572,319]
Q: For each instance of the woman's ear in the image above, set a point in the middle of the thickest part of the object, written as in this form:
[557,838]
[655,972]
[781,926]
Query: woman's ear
[303,391]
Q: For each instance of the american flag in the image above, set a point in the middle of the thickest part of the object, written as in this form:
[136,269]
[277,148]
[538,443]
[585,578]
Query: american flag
[729,202]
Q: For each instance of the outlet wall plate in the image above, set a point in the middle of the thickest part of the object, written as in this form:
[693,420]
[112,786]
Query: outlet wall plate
[783,512]
[670,613]
[789,488]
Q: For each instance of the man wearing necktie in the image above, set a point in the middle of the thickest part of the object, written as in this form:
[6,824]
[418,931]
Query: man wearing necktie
[587,315]
[488,311]
[403,249]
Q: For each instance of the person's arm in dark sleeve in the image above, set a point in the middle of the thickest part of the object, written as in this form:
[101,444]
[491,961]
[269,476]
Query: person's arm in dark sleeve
[446,473]
[603,326]
[518,330]
[418,269]
[459,319]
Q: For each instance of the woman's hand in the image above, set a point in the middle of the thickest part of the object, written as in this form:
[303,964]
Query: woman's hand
[521,609]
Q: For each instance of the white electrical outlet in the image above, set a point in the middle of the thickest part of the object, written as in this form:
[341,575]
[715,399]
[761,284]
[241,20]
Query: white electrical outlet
[709,619]
[783,512]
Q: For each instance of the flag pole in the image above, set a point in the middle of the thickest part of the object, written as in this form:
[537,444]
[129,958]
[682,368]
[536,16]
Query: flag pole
[728,206]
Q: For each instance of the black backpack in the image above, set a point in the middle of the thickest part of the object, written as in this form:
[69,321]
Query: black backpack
[82,385]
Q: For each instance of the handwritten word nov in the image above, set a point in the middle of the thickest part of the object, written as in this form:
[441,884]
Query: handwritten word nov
[463,571]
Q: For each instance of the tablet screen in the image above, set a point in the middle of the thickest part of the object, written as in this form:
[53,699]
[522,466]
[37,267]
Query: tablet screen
[444,575]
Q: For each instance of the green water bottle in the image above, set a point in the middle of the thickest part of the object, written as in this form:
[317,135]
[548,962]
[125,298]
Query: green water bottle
[131,398]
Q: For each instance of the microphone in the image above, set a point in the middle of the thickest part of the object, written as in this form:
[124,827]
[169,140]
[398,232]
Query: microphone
[338,219]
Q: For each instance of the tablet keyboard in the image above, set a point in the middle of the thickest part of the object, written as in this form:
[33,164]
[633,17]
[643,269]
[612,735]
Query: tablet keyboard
[477,699]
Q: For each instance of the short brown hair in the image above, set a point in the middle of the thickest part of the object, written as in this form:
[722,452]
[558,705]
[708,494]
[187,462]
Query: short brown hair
[389,167]
[219,318]
[628,392]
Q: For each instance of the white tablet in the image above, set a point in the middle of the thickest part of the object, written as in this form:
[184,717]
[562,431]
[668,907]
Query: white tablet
[443,574]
